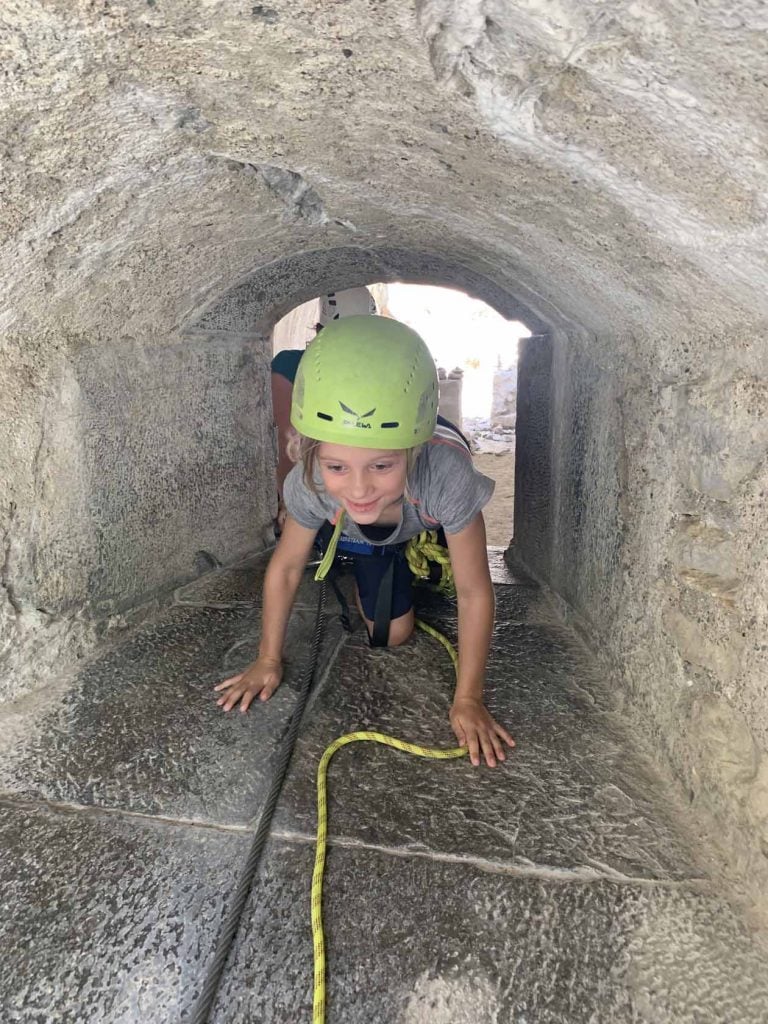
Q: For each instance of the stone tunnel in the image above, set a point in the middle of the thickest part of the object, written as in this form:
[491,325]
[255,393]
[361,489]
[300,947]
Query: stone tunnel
[176,176]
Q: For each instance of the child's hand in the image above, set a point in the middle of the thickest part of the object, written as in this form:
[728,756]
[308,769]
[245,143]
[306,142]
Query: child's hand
[261,679]
[476,730]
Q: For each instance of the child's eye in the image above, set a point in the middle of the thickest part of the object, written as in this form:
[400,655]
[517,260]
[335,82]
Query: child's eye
[334,469]
[382,465]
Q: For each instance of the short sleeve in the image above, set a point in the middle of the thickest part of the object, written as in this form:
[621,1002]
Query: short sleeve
[302,504]
[286,363]
[454,491]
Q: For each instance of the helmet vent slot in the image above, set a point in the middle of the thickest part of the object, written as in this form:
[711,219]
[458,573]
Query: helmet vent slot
[325,416]
[385,425]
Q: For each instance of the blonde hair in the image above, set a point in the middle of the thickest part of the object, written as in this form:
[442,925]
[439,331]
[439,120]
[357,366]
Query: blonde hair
[301,448]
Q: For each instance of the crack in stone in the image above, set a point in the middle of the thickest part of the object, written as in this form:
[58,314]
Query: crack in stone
[5,569]
[14,802]
[523,868]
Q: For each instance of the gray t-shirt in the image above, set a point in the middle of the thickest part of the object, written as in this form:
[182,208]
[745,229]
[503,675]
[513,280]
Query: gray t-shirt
[444,490]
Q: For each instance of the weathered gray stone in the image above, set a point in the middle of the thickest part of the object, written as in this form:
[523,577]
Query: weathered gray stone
[757,804]
[139,728]
[177,176]
[708,564]
[726,749]
[558,886]
[501,572]
[722,661]
[572,800]
[107,918]
[728,435]
[414,940]
[240,585]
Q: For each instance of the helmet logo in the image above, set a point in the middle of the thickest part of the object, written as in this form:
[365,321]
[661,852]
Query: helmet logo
[358,417]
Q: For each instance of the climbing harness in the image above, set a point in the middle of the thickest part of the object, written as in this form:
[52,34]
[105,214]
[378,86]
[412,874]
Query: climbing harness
[427,558]
[318,939]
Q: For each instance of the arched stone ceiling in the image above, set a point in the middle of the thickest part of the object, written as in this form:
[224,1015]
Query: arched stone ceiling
[605,160]
[276,288]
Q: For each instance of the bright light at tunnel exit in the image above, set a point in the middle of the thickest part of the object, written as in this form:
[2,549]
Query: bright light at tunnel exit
[460,332]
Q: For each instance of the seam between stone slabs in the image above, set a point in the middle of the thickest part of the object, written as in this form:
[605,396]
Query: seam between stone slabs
[549,873]
[13,802]
[546,872]
[179,602]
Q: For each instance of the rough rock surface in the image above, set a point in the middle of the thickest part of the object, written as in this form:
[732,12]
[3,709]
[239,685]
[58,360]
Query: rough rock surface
[564,885]
[176,176]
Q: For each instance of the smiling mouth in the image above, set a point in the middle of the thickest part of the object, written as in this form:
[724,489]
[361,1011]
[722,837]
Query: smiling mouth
[358,507]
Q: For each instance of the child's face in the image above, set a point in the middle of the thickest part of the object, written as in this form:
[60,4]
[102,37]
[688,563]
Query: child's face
[365,481]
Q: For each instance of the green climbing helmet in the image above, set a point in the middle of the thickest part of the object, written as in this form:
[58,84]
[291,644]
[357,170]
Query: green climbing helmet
[368,382]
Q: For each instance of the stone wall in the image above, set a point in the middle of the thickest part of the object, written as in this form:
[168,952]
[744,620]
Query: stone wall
[641,505]
[153,462]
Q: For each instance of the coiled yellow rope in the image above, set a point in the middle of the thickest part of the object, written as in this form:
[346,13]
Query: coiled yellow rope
[318,939]
[423,549]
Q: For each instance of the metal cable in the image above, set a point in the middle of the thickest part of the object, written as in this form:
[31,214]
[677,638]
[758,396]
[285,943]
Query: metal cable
[200,1012]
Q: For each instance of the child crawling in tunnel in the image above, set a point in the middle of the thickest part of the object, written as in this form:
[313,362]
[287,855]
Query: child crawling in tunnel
[374,458]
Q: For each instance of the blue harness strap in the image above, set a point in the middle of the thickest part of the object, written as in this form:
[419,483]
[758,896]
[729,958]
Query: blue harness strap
[360,547]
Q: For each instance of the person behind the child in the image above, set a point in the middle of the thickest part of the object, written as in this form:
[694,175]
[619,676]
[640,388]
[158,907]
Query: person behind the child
[365,409]
[333,306]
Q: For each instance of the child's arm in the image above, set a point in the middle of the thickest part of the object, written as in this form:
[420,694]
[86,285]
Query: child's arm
[282,579]
[473,725]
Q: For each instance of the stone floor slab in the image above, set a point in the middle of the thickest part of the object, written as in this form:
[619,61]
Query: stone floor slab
[415,941]
[573,797]
[107,919]
[513,604]
[139,728]
[240,584]
[556,889]
[501,572]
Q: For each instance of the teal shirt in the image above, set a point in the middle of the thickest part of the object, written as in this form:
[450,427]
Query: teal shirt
[286,363]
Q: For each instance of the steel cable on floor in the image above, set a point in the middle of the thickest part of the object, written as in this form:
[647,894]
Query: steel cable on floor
[201,1010]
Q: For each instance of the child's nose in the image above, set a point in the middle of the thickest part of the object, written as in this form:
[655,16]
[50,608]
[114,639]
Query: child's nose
[360,485]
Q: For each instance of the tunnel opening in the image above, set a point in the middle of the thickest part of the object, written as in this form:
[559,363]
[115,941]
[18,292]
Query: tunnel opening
[475,352]
[249,312]
[606,466]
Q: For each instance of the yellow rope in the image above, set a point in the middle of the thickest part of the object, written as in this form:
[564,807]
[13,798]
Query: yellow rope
[330,554]
[442,639]
[423,549]
[318,939]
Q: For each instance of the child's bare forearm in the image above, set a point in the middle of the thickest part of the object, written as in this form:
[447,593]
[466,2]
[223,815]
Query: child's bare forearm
[280,585]
[476,612]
